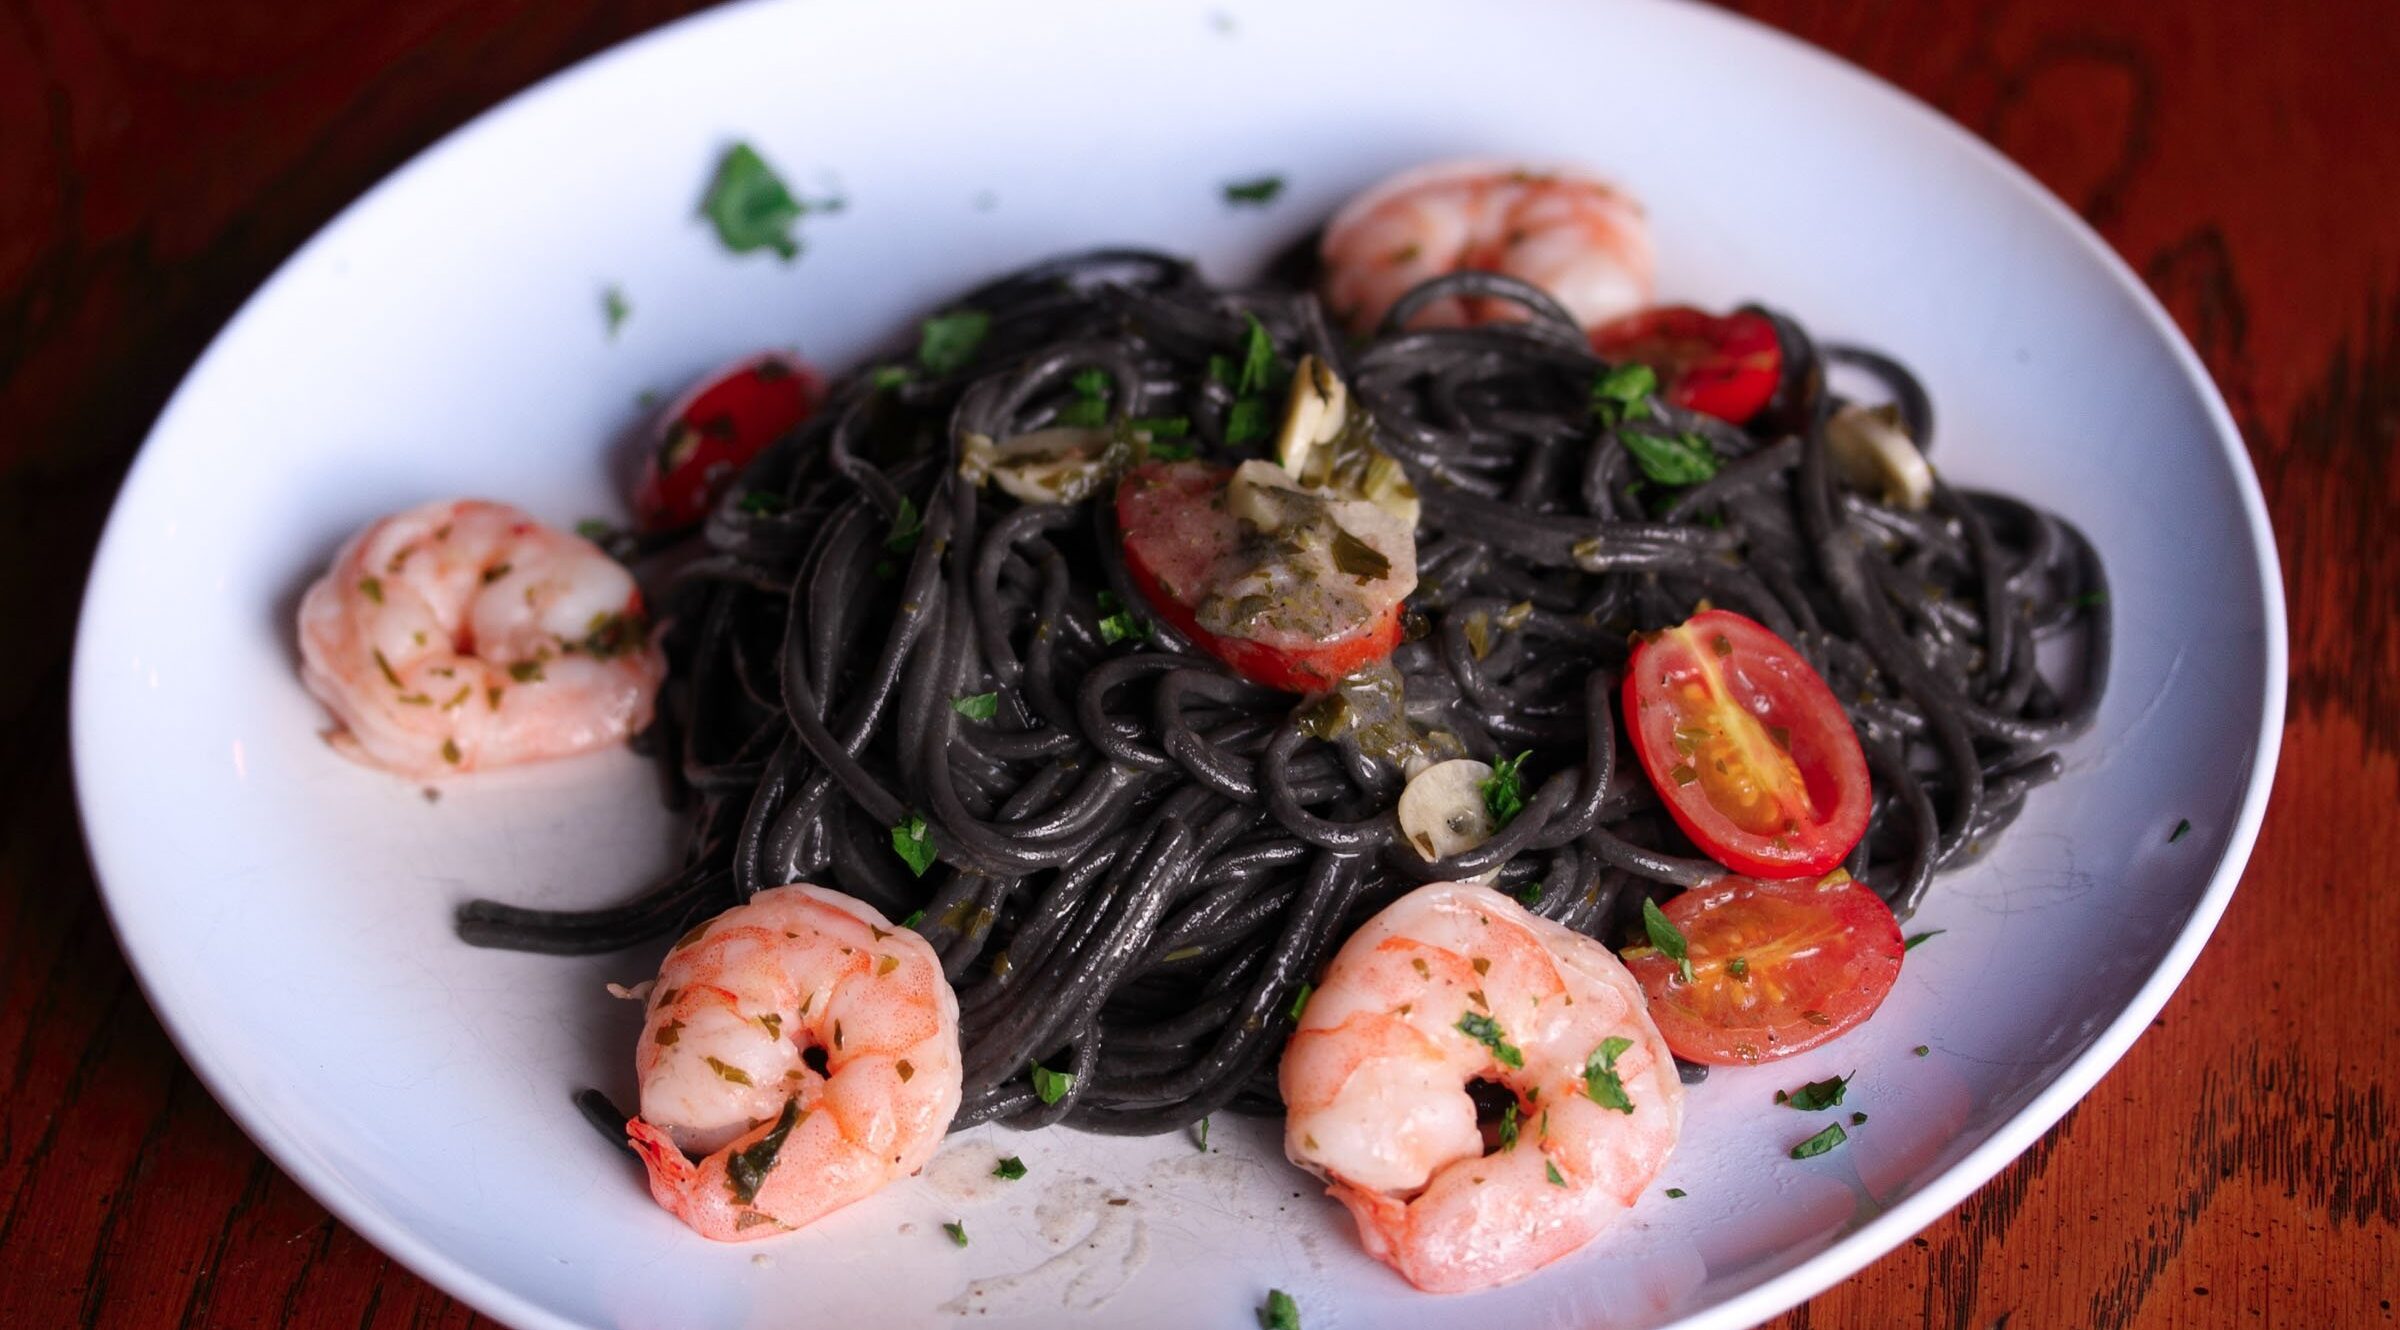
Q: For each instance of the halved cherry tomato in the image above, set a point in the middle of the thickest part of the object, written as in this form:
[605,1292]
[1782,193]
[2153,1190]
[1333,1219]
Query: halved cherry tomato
[1727,367]
[1748,747]
[1777,967]
[1178,538]
[705,440]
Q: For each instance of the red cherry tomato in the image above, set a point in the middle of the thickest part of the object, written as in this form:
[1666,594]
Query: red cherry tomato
[1179,540]
[1777,967]
[1748,747]
[704,441]
[1726,367]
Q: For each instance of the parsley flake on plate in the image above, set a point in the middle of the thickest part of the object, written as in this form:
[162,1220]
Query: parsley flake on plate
[1916,940]
[1011,1168]
[1279,1312]
[752,208]
[1254,193]
[614,308]
[957,1229]
[1816,1095]
[1821,1142]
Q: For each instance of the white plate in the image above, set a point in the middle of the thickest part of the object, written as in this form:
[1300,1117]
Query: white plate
[289,913]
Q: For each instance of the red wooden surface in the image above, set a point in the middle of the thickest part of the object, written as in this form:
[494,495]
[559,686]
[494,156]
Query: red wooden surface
[2238,1168]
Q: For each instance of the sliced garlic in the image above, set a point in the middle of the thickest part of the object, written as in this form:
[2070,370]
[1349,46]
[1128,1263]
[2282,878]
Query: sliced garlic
[1064,465]
[1312,419]
[1442,811]
[1873,453]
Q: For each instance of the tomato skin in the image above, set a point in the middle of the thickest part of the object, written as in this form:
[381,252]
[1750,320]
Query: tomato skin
[1725,366]
[1763,728]
[703,441]
[1169,529]
[1819,957]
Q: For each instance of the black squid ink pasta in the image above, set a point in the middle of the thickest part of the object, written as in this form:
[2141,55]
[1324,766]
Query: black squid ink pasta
[1142,858]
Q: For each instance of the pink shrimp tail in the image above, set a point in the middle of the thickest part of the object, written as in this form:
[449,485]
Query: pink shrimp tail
[671,1174]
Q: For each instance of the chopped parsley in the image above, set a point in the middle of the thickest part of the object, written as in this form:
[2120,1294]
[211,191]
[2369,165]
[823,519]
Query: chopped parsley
[946,342]
[752,208]
[614,308]
[1486,1031]
[2183,828]
[1052,1086]
[1530,894]
[1676,1193]
[763,503]
[2090,600]
[1090,407]
[1671,459]
[1815,1095]
[1279,1312]
[1623,394]
[1739,968]
[957,1229]
[1601,1084]
[1818,1144]
[913,845]
[1858,1119]
[1917,939]
[1011,1168]
[1118,624]
[1504,789]
[595,531]
[888,376]
[1550,1166]
[1508,1127]
[1922,1049]
[914,918]
[1246,422]
[907,525]
[1300,999]
[1257,193]
[1665,936]
[371,588]
[1202,1140]
[977,706]
[525,671]
[747,1169]
[1259,363]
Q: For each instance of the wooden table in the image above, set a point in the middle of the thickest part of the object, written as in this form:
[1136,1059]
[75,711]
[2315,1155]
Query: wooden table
[157,159]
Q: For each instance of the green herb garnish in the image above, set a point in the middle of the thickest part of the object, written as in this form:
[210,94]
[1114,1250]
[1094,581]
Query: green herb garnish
[1922,1049]
[595,531]
[1504,789]
[1858,1119]
[1202,1142]
[1815,1095]
[1258,359]
[1677,459]
[907,525]
[914,918]
[946,342]
[1508,1127]
[1118,624]
[614,308]
[1530,894]
[1917,939]
[1256,193]
[2183,828]
[1676,1193]
[977,706]
[1601,1083]
[2089,600]
[914,846]
[525,671]
[751,207]
[1279,1312]
[1623,393]
[372,589]
[763,503]
[1486,1031]
[747,1169]
[1551,1167]
[1821,1142]
[1738,968]
[1665,936]
[1300,999]
[1090,406]
[1052,1086]
[1011,1168]
[957,1229]
[888,376]
[1246,422]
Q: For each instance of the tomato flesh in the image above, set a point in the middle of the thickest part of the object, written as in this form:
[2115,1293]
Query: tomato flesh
[703,441]
[1726,366]
[1754,758]
[1777,967]
[1177,536]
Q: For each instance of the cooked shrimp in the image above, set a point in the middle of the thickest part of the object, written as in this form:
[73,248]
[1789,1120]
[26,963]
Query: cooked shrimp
[1455,983]
[748,1007]
[464,634]
[1572,234]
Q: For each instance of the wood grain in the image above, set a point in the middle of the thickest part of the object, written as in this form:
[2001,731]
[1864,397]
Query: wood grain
[2237,1169]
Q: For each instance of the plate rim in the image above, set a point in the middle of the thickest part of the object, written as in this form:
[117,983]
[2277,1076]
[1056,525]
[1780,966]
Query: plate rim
[1847,1254]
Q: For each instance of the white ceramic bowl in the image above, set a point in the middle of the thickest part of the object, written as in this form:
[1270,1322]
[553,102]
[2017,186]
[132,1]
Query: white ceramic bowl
[288,913]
